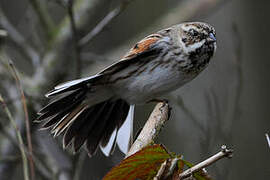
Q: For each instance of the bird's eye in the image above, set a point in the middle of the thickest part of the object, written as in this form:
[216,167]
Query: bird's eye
[213,31]
[184,40]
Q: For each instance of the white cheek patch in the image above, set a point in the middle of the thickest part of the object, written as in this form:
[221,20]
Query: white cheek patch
[194,46]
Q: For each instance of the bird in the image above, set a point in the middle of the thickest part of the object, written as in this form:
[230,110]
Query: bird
[91,111]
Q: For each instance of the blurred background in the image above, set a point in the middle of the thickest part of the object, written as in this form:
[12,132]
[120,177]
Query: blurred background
[226,104]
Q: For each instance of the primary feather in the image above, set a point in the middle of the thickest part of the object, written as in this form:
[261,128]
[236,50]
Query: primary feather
[82,123]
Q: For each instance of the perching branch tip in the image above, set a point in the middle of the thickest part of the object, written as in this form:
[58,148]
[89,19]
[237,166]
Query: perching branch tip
[228,152]
[223,153]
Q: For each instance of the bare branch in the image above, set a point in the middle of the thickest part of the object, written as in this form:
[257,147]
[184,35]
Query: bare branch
[28,128]
[52,65]
[161,170]
[24,159]
[167,169]
[223,153]
[59,160]
[3,36]
[75,37]
[152,127]
[42,170]
[104,22]
[44,18]
[7,134]
[18,39]
[48,71]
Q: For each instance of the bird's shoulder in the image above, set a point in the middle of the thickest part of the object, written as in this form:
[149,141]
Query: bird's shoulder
[139,52]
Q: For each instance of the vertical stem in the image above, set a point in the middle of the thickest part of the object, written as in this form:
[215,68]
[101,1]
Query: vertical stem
[44,18]
[18,134]
[27,123]
[75,37]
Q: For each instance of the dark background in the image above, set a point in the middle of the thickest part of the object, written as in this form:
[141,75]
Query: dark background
[227,104]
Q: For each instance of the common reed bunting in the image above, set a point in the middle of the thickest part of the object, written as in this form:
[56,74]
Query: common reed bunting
[91,110]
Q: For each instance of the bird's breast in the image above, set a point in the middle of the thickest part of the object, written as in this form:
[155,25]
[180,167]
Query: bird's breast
[139,84]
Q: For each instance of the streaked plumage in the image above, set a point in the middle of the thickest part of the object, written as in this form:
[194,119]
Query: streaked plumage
[92,110]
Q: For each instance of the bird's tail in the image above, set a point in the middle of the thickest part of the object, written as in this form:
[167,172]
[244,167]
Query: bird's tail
[82,123]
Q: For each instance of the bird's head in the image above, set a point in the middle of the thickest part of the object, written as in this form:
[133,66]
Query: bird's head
[198,38]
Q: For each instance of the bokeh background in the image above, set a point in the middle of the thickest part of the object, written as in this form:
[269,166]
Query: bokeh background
[227,104]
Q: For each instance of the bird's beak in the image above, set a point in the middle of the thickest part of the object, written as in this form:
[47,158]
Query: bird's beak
[212,38]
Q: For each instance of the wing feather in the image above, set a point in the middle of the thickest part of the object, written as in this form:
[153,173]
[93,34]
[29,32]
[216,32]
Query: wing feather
[144,48]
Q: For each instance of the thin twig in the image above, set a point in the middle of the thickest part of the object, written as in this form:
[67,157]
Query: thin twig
[51,67]
[3,36]
[104,22]
[75,37]
[24,159]
[223,153]
[161,170]
[152,127]
[167,169]
[19,40]
[4,132]
[48,70]
[42,169]
[9,158]
[44,18]
[28,128]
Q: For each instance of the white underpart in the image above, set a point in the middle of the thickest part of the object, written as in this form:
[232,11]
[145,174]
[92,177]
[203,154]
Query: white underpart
[193,47]
[125,134]
[109,148]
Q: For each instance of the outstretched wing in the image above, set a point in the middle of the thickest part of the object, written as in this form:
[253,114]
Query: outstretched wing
[144,49]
